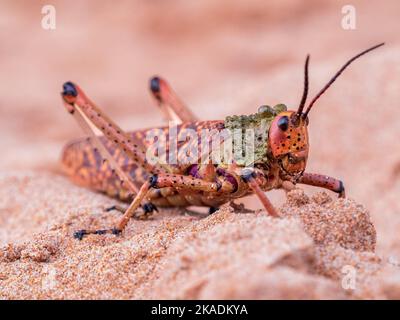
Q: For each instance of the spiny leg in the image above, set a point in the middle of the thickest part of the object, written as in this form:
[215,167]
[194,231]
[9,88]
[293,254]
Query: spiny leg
[170,104]
[323,181]
[70,94]
[75,99]
[125,218]
[76,113]
[184,183]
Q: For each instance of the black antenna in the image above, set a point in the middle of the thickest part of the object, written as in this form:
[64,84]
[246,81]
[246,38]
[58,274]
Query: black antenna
[305,91]
[337,75]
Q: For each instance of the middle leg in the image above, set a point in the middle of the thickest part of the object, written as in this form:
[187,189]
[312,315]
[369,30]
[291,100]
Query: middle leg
[176,181]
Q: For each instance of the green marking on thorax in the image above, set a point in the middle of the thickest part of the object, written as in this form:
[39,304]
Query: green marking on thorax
[259,123]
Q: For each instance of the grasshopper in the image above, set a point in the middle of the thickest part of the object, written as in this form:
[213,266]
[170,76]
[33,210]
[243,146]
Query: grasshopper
[116,162]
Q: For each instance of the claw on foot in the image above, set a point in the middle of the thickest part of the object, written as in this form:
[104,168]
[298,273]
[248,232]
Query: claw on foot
[116,231]
[342,191]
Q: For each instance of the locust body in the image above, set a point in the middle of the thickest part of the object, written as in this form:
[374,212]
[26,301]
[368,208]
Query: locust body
[117,163]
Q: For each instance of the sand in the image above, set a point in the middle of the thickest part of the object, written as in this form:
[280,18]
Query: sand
[176,255]
[242,56]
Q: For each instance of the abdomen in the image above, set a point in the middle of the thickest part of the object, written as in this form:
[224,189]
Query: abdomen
[85,166]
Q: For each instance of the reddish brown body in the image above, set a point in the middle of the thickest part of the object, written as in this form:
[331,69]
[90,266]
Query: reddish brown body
[85,165]
[118,163]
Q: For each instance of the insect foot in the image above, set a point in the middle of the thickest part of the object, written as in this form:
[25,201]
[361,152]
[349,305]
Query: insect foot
[149,208]
[82,233]
[239,207]
[212,210]
[79,234]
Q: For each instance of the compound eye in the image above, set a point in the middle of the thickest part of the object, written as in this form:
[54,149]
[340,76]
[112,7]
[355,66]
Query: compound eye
[283,123]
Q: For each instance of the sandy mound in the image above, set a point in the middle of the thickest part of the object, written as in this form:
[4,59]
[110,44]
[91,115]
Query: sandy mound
[177,255]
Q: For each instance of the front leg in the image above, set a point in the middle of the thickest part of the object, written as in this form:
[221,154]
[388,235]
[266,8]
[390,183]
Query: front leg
[323,181]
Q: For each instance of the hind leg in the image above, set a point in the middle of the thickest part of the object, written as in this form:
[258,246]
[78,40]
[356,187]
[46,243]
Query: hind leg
[170,104]
[88,115]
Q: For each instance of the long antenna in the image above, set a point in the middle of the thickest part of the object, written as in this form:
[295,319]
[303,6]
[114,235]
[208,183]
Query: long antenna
[305,91]
[337,75]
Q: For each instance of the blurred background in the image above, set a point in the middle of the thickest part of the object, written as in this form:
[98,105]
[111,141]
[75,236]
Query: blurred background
[223,58]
